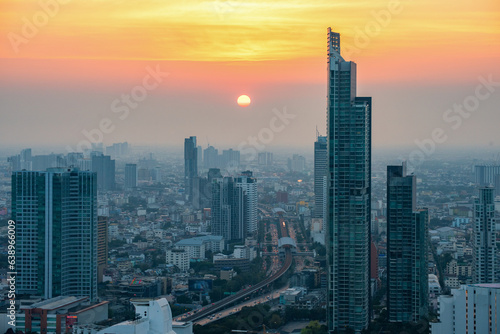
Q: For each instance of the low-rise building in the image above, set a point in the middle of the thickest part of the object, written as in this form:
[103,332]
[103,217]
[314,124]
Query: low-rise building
[179,258]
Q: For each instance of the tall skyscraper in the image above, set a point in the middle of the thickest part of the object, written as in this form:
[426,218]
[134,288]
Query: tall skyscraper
[320,176]
[104,166]
[349,167]
[248,184]
[211,157]
[407,281]
[130,176]
[227,209]
[485,174]
[483,237]
[56,222]
[190,165]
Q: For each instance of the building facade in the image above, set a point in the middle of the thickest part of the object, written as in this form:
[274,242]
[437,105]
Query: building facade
[407,279]
[320,176]
[483,237]
[349,172]
[130,176]
[472,309]
[56,221]
[190,165]
[179,258]
[104,166]
[248,185]
[227,209]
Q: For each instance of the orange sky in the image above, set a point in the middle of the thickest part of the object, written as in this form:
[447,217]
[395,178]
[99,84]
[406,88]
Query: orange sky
[226,47]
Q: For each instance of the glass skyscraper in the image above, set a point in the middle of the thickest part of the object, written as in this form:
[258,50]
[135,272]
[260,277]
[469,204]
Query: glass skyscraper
[407,280]
[227,209]
[56,222]
[320,176]
[190,165]
[483,237]
[349,172]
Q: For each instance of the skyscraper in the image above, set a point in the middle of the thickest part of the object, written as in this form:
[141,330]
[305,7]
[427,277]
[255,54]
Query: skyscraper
[349,169]
[211,157]
[227,209]
[190,165]
[406,249]
[320,176]
[248,184]
[483,237]
[104,166]
[56,221]
[130,176]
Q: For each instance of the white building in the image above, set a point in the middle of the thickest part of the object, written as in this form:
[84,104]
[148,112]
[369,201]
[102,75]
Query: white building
[196,247]
[470,309]
[154,317]
[179,258]
[249,186]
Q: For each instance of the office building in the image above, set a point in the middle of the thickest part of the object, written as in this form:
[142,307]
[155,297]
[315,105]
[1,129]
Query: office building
[248,184]
[230,160]
[190,166]
[485,174]
[320,176]
[211,157]
[484,238]
[57,237]
[471,309]
[297,163]
[130,176]
[348,222]
[104,166]
[227,209]
[407,279]
[265,158]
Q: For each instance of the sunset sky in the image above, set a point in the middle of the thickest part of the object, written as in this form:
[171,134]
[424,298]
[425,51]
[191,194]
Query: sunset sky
[62,71]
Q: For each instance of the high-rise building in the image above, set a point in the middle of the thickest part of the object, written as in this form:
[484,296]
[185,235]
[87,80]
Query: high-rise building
[227,209]
[190,165]
[320,176]
[483,237]
[230,160]
[130,176]
[56,221]
[104,166]
[485,174]
[297,163]
[102,246]
[348,216]
[407,279]
[248,184]
[472,309]
[211,157]
[265,158]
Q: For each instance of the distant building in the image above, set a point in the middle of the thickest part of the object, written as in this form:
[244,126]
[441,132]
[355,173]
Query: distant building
[179,258]
[470,309]
[407,291]
[484,237]
[190,166]
[320,176]
[130,176]
[104,166]
[57,232]
[485,174]
[211,157]
[230,160]
[196,247]
[297,163]
[265,158]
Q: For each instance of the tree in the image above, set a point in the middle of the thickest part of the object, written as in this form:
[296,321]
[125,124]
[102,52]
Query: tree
[314,328]
[275,321]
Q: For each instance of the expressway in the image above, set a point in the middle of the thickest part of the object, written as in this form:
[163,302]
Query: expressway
[244,293]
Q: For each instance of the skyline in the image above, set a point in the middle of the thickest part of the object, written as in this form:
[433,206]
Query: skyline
[415,67]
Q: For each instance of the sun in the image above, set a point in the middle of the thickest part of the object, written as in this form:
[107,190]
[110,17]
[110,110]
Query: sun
[244,101]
